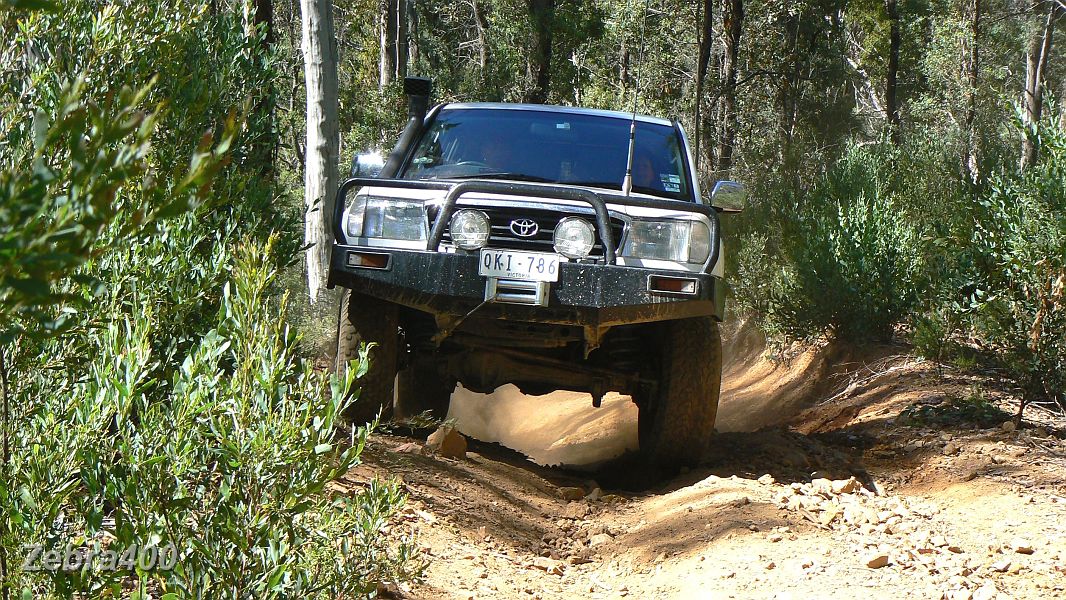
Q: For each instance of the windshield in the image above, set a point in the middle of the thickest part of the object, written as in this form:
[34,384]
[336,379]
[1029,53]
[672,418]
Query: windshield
[550,147]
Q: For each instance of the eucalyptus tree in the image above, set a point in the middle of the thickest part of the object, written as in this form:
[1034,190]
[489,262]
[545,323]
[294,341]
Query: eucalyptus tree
[320,171]
[1037,53]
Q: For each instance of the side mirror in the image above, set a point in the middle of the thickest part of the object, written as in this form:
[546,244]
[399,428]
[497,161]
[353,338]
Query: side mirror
[367,164]
[729,196]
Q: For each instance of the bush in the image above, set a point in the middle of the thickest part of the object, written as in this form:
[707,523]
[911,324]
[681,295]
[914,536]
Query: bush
[1016,308]
[151,393]
[974,409]
[229,461]
[854,258]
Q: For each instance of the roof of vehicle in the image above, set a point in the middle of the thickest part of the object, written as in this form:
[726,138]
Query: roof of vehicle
[557,109]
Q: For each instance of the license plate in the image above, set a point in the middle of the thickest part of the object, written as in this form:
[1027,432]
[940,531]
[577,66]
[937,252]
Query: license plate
[527,266]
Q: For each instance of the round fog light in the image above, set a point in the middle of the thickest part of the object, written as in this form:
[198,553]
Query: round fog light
[574,237]
[470,229]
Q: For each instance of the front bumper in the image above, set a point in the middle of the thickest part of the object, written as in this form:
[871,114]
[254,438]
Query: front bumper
[586,294]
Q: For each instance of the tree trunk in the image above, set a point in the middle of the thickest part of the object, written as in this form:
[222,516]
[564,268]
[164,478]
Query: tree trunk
[264,146]
[702,120]
[1062,106]
[542,13]
[1036,59]
[5,461]
[482,25]
[401,39]
[412,37]
[387,50]
[787,99]
[972,152]
[869,92]
[264,17]
[320,173]
[891,101]
[264,149]
[732,27]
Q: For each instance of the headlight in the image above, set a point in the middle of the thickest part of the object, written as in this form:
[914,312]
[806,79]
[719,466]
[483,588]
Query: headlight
[574,237]
[678,241]
[354,217]
[389,218]
[470,229]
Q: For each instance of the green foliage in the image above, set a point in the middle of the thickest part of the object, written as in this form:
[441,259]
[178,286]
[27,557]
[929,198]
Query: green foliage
[855,258]
[1016,306]
[231,466]
[151,392]
[974,409]
[932,335]
[55,214]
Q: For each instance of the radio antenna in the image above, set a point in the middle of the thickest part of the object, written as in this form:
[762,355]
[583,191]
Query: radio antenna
[627,182]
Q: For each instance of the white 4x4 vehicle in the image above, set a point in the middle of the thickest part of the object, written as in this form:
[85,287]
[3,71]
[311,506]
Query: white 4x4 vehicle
[498,244]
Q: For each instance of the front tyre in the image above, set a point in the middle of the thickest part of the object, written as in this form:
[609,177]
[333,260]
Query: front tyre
[420,388]
[365,319]
[676,422]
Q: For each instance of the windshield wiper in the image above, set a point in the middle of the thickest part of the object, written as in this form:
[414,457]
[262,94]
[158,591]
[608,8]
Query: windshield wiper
[610,185]
[615,186]
[502,175]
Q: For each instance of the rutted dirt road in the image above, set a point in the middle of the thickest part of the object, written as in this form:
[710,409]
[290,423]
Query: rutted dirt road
[834,496]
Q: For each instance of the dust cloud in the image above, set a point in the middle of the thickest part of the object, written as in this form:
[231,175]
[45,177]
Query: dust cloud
[560,428]
[563,428]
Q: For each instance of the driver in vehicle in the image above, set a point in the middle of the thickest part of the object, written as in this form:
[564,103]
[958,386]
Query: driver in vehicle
[496,154]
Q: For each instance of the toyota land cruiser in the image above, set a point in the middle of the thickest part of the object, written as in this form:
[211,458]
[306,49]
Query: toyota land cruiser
[548,247]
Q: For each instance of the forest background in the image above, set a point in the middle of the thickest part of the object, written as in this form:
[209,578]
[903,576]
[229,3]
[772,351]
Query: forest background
[906,161]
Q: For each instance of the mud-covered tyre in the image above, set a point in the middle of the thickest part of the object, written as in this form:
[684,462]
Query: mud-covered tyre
[420,388]
[676,423]
[370,320]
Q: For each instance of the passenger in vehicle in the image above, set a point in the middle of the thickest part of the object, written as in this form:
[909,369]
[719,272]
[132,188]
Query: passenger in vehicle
[644,172]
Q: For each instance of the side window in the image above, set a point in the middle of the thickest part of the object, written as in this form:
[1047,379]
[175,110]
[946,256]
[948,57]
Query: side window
[429,154]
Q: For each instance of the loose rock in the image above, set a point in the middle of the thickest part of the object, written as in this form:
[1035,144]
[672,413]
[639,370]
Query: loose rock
[571,493]
[409,448]
[987,591]
[576,510]
[447,442]
[553,567]
[822,486]
[876,560]
[845,486]
[600,539]
[1021,546]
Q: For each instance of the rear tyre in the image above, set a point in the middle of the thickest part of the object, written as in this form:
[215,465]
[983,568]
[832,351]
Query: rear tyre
[420,388]
[676,422]
[365,319]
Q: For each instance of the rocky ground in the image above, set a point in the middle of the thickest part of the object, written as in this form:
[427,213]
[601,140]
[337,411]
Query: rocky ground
[882,477]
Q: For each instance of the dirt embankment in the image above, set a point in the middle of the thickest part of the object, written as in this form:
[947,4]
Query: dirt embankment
[818,487]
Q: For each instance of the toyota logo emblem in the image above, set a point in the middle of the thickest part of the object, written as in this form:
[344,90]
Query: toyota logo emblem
[524,227]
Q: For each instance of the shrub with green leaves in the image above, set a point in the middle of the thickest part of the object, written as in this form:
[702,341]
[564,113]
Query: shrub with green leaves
[1017,308]
[973,409]
[855,258]
[229,460]
[151,391]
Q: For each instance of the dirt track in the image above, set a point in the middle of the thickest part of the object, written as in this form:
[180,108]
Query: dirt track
[952,509]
